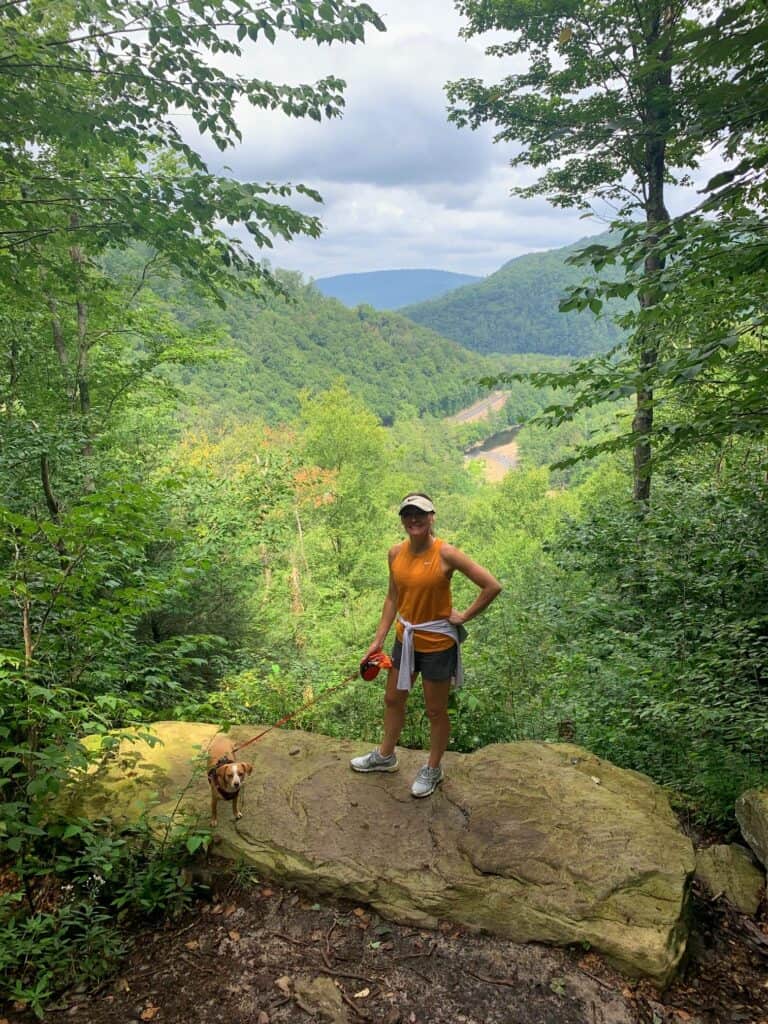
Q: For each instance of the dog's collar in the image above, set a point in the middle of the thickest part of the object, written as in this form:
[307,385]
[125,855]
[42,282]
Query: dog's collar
[214,779]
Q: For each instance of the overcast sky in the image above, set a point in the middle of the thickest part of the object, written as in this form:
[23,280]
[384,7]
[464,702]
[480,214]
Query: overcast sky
[402,188]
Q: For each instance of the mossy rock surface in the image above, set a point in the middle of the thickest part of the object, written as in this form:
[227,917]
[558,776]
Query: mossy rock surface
[532,841]
[731,871]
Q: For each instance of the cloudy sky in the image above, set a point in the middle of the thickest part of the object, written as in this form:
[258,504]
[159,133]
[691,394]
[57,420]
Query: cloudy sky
[401,186]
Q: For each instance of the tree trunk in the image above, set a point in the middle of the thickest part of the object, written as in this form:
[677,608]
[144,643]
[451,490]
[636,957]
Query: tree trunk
[82,384]
[657,92]
[50,499]
[13,371]
[26,629]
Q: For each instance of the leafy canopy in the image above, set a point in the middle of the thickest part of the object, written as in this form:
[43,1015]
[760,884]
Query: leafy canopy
[603,83]
[92,95]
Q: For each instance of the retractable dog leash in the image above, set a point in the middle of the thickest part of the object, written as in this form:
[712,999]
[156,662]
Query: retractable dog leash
[369,669]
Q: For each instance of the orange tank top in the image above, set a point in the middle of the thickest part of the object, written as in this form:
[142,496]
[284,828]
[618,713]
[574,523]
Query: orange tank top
[423,594]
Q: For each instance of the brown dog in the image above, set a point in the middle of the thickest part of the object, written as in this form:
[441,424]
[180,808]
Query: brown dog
[225,776]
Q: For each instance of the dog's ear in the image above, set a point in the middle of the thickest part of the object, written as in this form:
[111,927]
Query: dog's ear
[246,767]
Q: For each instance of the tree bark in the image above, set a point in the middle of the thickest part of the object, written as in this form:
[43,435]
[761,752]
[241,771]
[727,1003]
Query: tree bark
[657,93]
[13,371]
[26,628]
[50,500]
[81,381]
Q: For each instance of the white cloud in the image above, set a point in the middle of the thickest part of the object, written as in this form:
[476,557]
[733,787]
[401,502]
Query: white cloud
[372,227]
[401,186]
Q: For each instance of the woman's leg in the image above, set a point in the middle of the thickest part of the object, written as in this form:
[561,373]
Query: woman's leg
[394,713]
[436,694]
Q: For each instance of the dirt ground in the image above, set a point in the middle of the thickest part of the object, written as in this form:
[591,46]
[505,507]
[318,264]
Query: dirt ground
[251,952]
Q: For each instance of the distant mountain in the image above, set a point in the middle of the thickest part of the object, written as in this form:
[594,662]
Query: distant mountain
[274,348]
[390,289]
[516,310]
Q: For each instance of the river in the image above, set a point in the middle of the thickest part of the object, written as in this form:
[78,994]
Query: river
[499,452]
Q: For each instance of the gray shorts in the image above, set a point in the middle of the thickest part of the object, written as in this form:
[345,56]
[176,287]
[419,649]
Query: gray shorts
[438,666]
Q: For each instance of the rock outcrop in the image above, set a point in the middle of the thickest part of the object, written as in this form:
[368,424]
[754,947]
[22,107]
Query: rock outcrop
[752,816]
[729,870]
[532,841]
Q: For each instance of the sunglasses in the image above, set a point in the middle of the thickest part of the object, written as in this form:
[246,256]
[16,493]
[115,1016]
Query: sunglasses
[413,513]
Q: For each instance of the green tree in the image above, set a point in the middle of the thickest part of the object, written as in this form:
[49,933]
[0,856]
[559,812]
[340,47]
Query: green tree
[604,105]
[344,440]
[92,151]
[713,378]
[669,678]
[92,157]
[708,385]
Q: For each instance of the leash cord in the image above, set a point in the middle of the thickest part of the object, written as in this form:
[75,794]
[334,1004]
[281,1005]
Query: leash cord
[298,711]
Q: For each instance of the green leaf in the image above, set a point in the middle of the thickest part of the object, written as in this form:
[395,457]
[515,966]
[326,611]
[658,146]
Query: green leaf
[193,843]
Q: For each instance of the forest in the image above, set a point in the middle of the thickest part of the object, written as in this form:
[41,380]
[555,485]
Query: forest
[201,457]
[515,309]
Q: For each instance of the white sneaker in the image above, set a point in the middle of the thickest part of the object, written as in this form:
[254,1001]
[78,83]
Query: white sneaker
[427,780]
[374,762]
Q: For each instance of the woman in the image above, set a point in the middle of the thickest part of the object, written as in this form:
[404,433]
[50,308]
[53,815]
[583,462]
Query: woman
[429,631]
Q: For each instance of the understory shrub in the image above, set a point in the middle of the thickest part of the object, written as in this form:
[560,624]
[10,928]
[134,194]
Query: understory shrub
[665,668]
[67,905]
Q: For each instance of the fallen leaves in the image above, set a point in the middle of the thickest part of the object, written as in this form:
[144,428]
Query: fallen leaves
[220,908]
[363,918]
[370,963]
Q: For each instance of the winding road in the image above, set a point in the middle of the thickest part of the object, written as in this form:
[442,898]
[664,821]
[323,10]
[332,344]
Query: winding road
[480,409]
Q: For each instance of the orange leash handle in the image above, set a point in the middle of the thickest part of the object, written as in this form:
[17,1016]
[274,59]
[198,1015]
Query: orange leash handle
[370,667]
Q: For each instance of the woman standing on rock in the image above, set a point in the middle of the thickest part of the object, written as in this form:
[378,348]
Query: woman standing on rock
[429,631]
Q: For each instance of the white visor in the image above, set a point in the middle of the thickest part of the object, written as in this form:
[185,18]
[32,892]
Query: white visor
[417,501]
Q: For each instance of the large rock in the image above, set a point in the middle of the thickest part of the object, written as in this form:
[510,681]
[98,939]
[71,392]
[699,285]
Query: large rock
[533,841]
[752,816]
[729,870]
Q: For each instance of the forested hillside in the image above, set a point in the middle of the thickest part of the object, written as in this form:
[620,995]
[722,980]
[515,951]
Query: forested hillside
[391,289]
[274,346]
[516,310]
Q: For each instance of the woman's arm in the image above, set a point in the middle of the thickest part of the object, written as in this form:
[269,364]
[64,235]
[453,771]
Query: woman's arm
[490,588]
[388,611]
